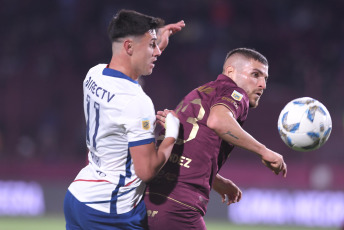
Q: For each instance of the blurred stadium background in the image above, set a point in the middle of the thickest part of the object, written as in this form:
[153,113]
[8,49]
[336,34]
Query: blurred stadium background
[47,48]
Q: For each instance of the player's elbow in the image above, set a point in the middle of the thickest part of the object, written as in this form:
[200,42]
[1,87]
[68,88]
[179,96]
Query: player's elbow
[145,175]
[146,179]
[214,123]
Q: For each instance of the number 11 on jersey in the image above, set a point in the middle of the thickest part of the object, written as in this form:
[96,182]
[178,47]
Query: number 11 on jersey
[92,121]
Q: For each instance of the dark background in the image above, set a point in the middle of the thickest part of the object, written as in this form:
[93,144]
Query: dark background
[47,47]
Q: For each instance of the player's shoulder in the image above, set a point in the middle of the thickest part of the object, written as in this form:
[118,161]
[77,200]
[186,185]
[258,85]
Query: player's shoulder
[97,69]
[226,85]
[229,91]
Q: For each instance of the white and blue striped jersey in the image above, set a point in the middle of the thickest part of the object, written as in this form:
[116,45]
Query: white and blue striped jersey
[118,115]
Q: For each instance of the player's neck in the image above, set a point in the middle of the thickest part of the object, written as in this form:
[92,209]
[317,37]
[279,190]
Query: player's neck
[123,66]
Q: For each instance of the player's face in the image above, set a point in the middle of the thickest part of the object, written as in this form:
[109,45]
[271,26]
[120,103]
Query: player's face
[252,77]
[146,53]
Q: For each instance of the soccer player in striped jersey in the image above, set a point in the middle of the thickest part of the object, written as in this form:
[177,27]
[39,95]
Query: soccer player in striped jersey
[211,117]
[120,121]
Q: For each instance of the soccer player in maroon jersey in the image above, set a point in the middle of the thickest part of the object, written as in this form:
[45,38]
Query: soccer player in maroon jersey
[211,117]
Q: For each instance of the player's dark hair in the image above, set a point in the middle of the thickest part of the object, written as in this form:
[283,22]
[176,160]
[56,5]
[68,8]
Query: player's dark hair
[132,23]
[250,54]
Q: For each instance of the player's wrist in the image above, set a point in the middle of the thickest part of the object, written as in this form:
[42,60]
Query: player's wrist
[171,126]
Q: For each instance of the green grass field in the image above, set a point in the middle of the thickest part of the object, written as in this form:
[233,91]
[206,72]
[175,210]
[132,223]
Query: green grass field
[57,223]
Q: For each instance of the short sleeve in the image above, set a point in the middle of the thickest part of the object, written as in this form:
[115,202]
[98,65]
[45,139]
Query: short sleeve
[139,119]
[236,100]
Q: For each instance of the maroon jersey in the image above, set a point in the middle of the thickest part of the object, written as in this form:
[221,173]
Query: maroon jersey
[199,152]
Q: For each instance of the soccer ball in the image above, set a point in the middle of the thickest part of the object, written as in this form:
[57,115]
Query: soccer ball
[304,124]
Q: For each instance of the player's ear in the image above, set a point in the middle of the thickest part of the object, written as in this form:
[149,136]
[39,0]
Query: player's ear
[229,70]
[128,46]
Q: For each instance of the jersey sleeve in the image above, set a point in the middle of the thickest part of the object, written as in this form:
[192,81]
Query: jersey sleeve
[235,99]
[139,122]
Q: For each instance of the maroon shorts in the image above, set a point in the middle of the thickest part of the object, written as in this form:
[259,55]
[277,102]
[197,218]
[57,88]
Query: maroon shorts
[169,214]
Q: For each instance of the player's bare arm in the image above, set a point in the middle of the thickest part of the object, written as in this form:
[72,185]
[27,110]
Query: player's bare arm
[147,159]
[221,120]
[165,32]
[227,190]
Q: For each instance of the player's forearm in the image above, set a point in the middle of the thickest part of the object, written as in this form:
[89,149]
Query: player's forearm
[157,159]
[218,181]
[241,138]
[164,152]
[149,167]
[232,133]
[171,133]
[221,121]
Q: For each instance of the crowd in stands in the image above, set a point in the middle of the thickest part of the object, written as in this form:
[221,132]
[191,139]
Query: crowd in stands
[47,48]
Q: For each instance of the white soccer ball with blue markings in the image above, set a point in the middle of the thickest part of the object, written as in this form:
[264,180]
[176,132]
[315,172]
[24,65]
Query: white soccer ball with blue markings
[304,124]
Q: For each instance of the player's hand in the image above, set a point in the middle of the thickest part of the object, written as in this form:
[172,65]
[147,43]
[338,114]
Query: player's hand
[276,163]
[229,192]
[161,117]
[165,32]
